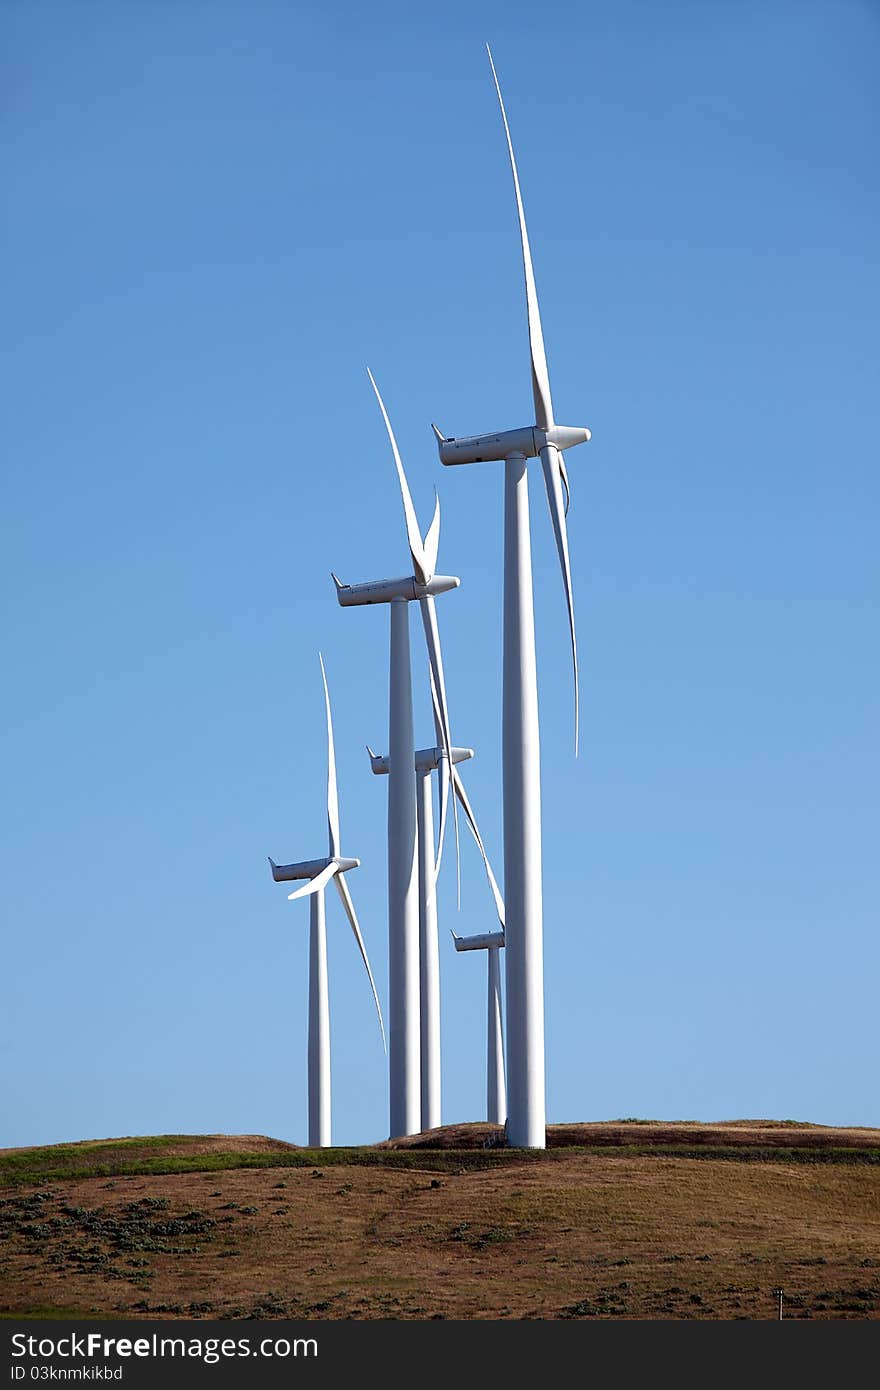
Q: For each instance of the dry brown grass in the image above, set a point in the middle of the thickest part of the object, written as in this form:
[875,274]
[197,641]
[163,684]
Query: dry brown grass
[574,1234]
[655,1133]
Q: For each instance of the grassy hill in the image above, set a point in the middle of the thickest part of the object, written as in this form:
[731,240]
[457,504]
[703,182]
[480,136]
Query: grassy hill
[625,1219]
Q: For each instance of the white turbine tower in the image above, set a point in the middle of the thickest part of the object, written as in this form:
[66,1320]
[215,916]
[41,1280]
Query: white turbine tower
[520,735]
[426,761]
[496,1095]
[403,868]
[319,872]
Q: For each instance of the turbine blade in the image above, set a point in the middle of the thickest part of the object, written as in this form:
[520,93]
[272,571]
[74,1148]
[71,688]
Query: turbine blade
[442,772]
[553,485]
[443,791]
[435,657]
[414,535]
[314,885]
[350,913]
[540,378]
[332,792]
[563,478]
[432,539]
[435,706]
[472,822]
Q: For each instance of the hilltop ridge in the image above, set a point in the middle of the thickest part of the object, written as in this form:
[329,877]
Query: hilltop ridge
[615,1219]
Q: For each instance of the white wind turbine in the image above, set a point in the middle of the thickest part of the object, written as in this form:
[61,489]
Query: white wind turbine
[319,872]
[496,1096]
[520,731]
[403,867]
[427,760]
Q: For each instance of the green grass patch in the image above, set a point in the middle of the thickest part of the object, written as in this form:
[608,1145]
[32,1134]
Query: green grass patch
[110,1160]
[43,1165]
[746,1153]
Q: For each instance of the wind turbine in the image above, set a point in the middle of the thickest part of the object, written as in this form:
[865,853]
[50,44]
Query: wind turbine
[403,868]
[496,1095]
[319,872]
[520,732]
[427,760]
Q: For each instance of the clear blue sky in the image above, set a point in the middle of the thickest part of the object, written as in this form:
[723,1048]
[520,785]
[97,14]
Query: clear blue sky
[215,216]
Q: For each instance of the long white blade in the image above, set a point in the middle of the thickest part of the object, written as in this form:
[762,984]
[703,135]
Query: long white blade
[553,485]
[332,792]
[563,478]
[445,781]
[472,822]
[432,539]
[414,535]
[540,379]
[347,903]
[314,885]
[438,686]
[442,772]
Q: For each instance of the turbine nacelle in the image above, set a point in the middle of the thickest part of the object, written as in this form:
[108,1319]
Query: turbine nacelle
[426,759]
[485,448]
[488,941]
[386,590]
[310,868]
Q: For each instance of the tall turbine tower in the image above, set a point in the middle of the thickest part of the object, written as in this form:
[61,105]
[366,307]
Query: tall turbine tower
[427,760]
[526,1126]
[496,1096]
[319,872]
[403,870]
